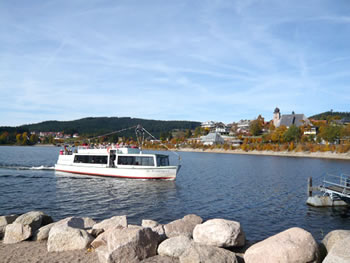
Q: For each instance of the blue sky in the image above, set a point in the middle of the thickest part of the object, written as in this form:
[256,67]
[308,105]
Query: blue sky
[172,60]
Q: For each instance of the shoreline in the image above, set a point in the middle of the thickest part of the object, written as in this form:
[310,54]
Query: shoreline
[317,155]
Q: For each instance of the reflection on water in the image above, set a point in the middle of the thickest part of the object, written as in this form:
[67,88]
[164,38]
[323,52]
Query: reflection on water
[266,194]
[103,196]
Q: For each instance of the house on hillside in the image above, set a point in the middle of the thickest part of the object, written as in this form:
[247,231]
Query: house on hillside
[289,119]
[208,124]
[212,138]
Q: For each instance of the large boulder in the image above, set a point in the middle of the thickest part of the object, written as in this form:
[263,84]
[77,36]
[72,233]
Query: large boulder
[290,246]
[16,232]
[339,253]
[65,238]
[174,246]
[183,226]
[155,226]
[219,233]
[101,240]
[128,245]
[43,232]
[25,226]
[77,222]
[198,253]
[112,222]
[4,221]
[333,237]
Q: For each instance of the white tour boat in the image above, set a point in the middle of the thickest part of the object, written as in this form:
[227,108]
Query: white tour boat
[116,162]
[123,162]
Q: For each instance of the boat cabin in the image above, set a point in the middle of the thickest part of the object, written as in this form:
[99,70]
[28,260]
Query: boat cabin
[120,157]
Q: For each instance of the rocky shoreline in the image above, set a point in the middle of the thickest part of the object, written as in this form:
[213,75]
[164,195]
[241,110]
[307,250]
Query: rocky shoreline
[34,237]
[322,155]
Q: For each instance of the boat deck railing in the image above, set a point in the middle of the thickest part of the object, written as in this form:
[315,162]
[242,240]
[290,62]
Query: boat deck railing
[336,186]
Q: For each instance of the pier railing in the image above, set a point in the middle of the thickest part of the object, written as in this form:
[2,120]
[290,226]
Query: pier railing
[336,185]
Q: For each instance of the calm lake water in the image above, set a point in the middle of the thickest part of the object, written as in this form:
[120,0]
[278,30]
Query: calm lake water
[265,194]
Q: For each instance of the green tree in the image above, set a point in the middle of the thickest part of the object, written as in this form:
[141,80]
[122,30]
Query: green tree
[330,133]
[188,133]
[197,131]
[255,127]
[293,134]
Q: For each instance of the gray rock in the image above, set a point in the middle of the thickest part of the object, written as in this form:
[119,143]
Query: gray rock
[198,253]
[333,237]
[25,226]
[219,233]
[95,232]
[160,259]
[149,223]
[101,240]
[65,238]
[77,222]
[112,222]
[16,232]
[156,227]
[339,253]
[4,221]
[182,227]
[174,246]
[292,245]
[43,232]
[35,219]
[128,245]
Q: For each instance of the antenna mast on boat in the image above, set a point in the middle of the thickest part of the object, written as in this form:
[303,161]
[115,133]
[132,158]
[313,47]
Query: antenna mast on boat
[140,135]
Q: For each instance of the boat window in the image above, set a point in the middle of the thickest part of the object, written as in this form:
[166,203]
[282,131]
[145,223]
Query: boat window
[99,159]
[135,160]
[162,160]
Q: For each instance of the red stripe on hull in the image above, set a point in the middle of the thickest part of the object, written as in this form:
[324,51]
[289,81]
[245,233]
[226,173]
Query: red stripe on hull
[118,176]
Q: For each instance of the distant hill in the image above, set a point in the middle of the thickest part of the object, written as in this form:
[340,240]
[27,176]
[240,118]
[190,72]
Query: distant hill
[327,114]
[102,125]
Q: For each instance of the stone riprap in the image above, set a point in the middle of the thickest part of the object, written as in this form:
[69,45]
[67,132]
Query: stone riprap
[292,245]
[333,237]
[112,222]
[339,252]
[4,221]
[219,233]
[183,226]
[115,241]
[25,226]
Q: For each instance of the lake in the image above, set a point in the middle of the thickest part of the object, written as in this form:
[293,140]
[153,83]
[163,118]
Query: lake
[266,194]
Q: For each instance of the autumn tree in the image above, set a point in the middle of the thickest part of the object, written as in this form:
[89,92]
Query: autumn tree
[4,138]
[18,138]
[25,138]
[277,135]
[33,139]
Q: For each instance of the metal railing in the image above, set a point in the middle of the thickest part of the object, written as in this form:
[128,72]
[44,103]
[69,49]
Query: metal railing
[336,185]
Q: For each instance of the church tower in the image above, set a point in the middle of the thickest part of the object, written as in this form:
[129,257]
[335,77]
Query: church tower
[276,117]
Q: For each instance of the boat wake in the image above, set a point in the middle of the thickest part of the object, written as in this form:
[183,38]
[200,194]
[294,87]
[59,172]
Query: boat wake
[42,167]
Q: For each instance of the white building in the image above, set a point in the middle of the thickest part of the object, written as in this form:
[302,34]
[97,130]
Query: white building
[212,138]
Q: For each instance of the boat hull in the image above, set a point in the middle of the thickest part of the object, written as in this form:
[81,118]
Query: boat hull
[160,173]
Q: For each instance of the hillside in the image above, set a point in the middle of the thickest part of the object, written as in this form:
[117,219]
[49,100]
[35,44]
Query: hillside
[328,114]
[101,125]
